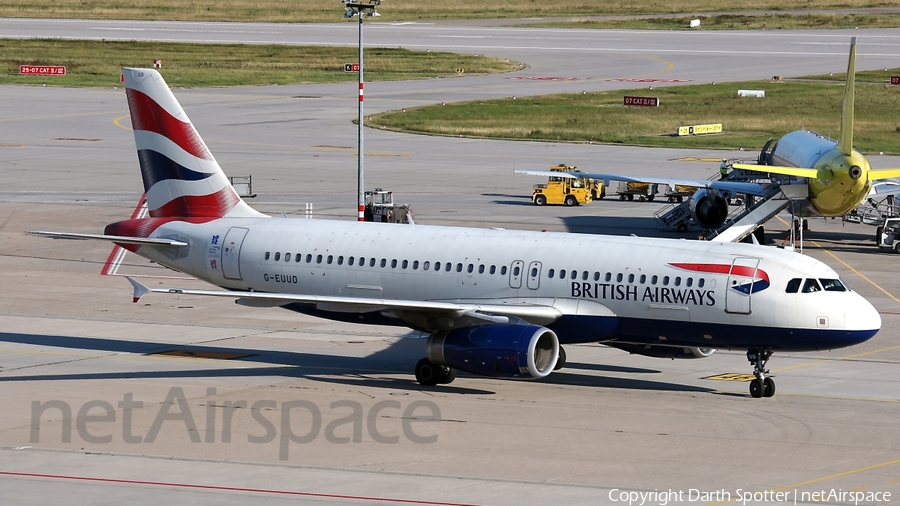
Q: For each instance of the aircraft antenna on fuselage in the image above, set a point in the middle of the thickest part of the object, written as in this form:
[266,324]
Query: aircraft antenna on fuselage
[845,142]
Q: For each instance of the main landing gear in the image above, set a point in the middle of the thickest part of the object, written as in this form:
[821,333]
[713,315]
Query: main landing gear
[430,374]
[762,386]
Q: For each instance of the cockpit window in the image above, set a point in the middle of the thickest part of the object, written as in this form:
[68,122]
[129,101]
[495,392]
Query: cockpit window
[833,285]
[793,285]
[811,285]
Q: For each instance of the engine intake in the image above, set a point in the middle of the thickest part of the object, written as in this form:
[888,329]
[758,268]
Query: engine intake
[708,208]
[502,351]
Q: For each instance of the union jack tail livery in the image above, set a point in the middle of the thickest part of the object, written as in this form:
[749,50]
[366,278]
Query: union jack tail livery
[181,177]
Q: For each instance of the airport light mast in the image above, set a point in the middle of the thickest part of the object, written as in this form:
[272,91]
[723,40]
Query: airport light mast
[360,9]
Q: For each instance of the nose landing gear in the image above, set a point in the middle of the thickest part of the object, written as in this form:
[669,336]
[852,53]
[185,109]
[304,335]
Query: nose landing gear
[762,386]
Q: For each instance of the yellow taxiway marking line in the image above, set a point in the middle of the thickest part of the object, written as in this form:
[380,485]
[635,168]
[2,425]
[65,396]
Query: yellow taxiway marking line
[869,352]
[120,118]
[824,478]
[798,366]
[895,480]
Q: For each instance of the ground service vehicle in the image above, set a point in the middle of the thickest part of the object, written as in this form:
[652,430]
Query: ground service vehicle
[567,190]
[888,236]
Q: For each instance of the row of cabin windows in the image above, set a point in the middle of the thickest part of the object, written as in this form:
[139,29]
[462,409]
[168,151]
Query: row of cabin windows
[404,264]
[470,268]
[642,279]
[811,285]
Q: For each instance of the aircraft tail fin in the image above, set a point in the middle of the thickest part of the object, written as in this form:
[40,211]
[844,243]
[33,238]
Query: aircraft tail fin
[845,142]
[181,177]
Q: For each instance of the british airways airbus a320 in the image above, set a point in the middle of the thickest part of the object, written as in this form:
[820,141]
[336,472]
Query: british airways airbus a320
[495,302]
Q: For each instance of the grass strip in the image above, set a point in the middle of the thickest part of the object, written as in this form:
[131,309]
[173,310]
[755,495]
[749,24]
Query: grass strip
[748,122]
[98,63]
[307,11]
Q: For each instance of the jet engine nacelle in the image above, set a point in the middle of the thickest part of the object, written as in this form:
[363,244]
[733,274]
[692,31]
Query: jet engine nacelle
[709,208]
[663,351]
[503,351]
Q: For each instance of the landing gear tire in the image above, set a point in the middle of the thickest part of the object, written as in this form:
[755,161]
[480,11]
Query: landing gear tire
[540,200]
[571,201]
[430,374]
[762,385]
[682,227]
[769,387]
[756,389]
[561,361]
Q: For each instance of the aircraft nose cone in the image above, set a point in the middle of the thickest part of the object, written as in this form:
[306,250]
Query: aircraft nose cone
[862,319]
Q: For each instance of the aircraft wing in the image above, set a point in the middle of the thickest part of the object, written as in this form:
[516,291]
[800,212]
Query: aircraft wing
[493,313]
[777,169]
[732,186]
[120,239]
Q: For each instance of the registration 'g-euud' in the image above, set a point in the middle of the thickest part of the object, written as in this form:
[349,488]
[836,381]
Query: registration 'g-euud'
[496,302]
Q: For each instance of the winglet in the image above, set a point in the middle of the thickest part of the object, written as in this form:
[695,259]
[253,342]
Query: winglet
[845,143]
[139,288]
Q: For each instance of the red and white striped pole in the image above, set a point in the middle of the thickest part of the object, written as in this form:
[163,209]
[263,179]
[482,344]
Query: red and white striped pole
[362,187]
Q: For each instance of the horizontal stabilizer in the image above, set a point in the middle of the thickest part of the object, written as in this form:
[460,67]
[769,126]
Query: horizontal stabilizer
[121,239]
[775,169]
[877,174]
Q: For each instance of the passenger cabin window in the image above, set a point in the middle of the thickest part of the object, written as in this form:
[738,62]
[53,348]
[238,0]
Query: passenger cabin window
[372,262]
[426,265]
[596,276]
[448,266]
[493,269]
[678,281]
[574,274]
[689,282]
[643,278]
[318,259]
[619,277]
[405,264]
[415,265]
[481,269]
[811,285]
[516,271]
[584,276]
[631,278]
[470,268]
[608,277]
[458,267]
[341,260]
[287,257]
[350,261]
[298,257]
[562,274]
[277,256]
[793,285]
[665,280]
[550,273]
[833,285]
[503,270]
[330,259]
[383,262]
[654,279]
[700,283]
[267,255]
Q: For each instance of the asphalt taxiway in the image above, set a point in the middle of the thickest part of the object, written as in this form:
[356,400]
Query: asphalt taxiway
[72,340]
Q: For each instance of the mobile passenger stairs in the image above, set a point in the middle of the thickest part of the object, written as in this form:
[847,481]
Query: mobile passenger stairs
[748,215]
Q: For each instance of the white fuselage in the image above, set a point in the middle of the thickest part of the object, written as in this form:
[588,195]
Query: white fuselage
[653,291]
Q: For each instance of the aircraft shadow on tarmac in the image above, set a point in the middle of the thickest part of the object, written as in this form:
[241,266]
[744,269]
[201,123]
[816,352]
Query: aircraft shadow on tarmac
[621,225]
[399,358]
